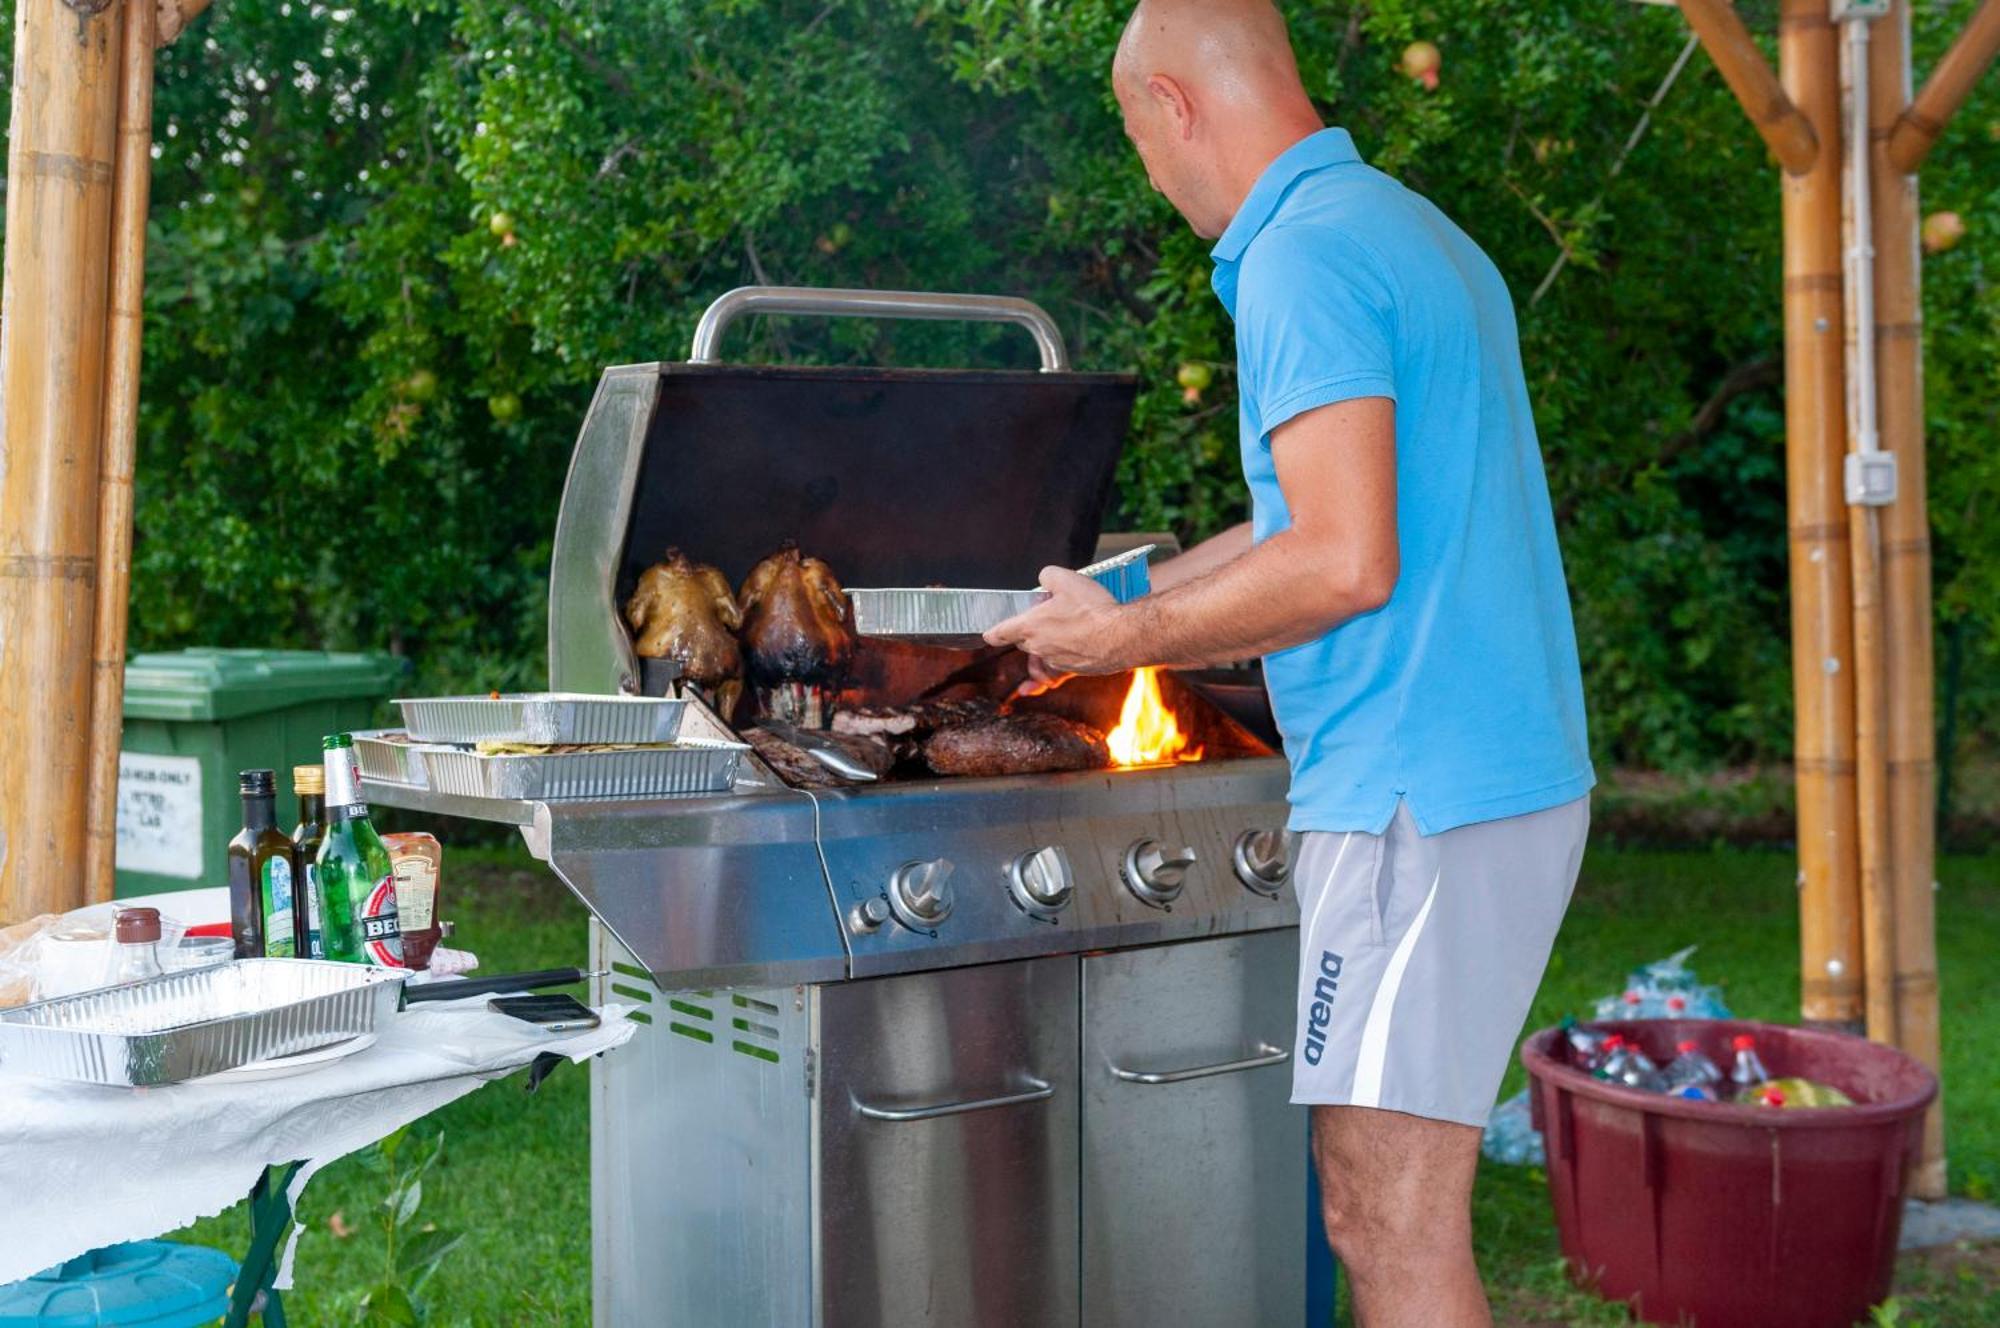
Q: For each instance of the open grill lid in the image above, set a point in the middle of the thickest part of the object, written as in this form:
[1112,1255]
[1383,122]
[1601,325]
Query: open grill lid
[891,476]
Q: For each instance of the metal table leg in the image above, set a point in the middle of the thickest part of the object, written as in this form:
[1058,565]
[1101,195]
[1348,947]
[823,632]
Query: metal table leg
[270,1223]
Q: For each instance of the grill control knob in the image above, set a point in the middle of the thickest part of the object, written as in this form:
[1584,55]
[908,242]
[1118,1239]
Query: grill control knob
[1155,872]
[1261,861]
[920,893]
[1041,882]
[869,914]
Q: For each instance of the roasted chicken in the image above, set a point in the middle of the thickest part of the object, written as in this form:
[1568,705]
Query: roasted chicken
[682,610]
[797,635]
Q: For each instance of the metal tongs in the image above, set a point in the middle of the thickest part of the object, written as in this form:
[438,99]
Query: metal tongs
[816,745]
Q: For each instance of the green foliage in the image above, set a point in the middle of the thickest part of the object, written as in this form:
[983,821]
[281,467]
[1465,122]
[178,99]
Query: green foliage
[411,1251]
[394,245]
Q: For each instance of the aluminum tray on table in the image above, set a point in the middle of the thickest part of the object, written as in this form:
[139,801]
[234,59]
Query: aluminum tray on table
[933,615]
[543,718]
[389,755]
[200,1022]
[691,765]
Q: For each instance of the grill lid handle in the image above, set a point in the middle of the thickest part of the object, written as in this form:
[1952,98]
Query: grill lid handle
[833,303]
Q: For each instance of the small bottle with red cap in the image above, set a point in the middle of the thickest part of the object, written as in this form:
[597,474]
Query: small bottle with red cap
[138,934]
[1748,1073]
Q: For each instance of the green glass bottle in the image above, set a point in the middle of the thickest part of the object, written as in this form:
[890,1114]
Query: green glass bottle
[356,883]
[309,782]
[260,874]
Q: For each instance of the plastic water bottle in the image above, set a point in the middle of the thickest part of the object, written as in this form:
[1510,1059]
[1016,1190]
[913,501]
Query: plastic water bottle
[1748,1072]
[1586,1046]
[1691,1069]
[1625,1064]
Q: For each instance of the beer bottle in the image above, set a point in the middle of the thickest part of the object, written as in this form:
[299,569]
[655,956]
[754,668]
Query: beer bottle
[357,885]
[309,782]
[260,874]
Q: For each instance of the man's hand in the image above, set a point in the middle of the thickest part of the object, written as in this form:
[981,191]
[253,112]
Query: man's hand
[1079,628]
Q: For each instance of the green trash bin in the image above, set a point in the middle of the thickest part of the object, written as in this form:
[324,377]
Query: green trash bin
[194,718]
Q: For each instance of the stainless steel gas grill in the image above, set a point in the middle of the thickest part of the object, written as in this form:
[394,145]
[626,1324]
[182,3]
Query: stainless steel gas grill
[954,1051]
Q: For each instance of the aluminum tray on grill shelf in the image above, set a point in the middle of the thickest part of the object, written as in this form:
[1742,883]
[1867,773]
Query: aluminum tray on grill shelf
[390,756]
[933,615]
[200,1022]
[691,765]
[543,718]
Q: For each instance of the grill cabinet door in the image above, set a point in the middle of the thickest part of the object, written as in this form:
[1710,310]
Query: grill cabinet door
[945,1186]
[1194,1182]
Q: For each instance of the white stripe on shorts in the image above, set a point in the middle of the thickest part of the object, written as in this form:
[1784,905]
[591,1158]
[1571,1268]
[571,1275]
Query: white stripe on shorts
[1326,886]
[1374,1052]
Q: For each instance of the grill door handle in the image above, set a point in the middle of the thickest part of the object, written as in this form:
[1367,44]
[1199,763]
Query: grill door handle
[1266,1055]
[1041,1092]
[832,303]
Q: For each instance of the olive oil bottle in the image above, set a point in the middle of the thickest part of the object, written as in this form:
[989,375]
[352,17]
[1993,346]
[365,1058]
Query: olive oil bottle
[260,874]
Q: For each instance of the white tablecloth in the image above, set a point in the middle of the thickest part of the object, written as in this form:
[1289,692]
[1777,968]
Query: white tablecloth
[86,1165]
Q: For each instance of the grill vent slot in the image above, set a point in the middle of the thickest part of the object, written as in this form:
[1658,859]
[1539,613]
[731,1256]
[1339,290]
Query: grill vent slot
[682,1005]
[756,1039]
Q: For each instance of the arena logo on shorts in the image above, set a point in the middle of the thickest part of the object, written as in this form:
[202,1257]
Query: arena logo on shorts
[1320,1014]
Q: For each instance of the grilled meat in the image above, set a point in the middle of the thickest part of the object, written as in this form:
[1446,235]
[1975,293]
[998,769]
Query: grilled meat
[1016,745]
[797,635]
[682,610]
[917,720]
[800,768]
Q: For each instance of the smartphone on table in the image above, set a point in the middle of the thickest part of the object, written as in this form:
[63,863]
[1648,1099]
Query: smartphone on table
[558,1014]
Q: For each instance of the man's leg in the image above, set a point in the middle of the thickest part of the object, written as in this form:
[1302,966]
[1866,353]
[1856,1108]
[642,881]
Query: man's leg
[1397,1197]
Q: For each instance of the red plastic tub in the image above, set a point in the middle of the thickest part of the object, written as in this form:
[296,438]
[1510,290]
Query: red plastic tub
[1729,1216]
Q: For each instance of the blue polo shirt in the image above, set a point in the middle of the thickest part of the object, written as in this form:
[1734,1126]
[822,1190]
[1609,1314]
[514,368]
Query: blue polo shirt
[1461,695]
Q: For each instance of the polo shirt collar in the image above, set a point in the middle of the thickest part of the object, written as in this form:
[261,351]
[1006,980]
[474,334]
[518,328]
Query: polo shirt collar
[1329,147]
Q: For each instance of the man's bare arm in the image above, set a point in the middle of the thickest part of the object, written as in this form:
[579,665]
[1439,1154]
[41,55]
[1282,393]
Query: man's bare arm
[1339,558]
[1203,558]
[1336,466]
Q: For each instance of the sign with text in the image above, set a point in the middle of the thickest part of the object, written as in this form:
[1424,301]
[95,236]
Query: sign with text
[159,815]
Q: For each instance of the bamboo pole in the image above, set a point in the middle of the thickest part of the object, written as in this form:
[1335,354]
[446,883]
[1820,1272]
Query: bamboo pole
[1864,543]
[1919,122]
[132,177]
[1790,136]
[1906,565]
[1822,595]
[52,344]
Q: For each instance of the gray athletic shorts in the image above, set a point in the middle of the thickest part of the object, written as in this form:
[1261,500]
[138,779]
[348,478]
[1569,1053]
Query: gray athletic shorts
[1419,955]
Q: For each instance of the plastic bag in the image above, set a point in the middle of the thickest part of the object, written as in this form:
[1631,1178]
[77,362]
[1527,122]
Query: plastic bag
[1664,989]
[1510,1136]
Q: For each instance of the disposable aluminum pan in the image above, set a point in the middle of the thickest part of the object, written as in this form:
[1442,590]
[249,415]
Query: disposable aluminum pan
[938,616]
[543,718]
[199,1022]
[387,761]
[691,765]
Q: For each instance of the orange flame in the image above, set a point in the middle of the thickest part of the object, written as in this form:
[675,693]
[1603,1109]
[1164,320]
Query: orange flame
[1147,732]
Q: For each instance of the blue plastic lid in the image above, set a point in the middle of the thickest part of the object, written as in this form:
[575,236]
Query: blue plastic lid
[144,1284]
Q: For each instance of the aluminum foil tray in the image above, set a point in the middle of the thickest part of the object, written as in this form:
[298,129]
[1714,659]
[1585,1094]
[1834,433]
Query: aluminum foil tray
[937,616]
[200,1022]
[387,761]
[546,718]
[691,765]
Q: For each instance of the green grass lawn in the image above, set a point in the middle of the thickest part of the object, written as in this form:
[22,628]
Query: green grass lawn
[515,1175]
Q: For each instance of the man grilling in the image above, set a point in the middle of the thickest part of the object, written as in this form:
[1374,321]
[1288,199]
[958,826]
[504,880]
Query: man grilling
[1401,580]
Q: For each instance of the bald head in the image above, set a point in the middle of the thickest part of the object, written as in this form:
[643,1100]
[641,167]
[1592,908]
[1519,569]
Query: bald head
[1211,94]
